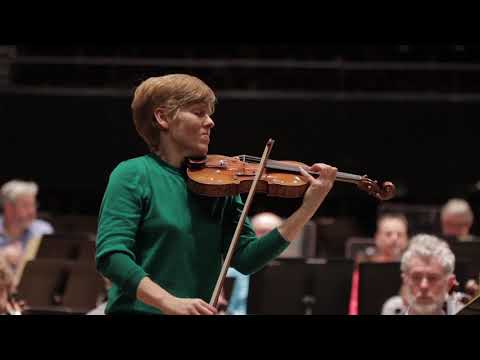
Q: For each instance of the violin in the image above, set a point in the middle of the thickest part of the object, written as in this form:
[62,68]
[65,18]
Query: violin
[218,176]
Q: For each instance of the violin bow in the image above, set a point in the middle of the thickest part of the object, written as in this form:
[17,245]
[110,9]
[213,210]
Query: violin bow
[236,236]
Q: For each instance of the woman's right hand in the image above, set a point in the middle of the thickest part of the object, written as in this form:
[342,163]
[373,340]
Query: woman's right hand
[178,306]
[154,295]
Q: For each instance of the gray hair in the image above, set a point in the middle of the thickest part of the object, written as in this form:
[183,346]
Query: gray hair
[457,207]
[428,247]
[11,190]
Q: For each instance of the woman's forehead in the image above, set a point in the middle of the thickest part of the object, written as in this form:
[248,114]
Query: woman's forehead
[202,105]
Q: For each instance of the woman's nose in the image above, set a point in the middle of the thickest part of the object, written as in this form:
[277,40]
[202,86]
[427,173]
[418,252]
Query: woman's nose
[209,122]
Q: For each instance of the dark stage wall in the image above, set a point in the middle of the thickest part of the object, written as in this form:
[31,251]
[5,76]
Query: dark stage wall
[70,144]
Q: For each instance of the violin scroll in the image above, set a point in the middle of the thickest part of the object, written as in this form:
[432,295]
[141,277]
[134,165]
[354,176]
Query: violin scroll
[383,192]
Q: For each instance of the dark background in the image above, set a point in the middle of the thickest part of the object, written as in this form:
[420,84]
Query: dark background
[415,125]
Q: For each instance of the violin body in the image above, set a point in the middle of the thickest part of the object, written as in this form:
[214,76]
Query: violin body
[219,176]
[226,176]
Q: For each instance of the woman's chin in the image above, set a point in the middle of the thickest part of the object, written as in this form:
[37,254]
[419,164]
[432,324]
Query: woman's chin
[201,151]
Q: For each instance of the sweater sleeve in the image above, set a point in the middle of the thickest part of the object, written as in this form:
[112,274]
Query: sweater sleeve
[251,253]
[120,215]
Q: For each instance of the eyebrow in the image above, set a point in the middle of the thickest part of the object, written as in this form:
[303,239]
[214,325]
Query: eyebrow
[203,106]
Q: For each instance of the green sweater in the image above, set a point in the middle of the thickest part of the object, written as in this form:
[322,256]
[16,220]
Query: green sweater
[150,224]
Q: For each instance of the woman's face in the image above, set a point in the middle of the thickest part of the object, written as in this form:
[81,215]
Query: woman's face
[190,129]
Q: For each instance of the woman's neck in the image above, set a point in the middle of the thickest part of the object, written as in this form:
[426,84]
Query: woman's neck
[170,155]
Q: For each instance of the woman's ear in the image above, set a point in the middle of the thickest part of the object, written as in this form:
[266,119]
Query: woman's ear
[161,118]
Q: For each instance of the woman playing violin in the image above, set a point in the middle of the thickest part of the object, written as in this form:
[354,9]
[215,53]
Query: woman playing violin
[161,244]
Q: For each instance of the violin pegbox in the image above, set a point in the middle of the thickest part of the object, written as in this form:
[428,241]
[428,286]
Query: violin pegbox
[383,192]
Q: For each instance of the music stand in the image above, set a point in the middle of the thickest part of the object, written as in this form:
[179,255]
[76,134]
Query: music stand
[66,246]
[84,287]
[378,282]
[43,282]
[462,271]
[468,251]
[331,284]
[301,287]
[278,289]
[60,286]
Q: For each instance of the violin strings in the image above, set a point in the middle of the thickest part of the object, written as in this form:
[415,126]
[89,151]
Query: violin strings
[282,166]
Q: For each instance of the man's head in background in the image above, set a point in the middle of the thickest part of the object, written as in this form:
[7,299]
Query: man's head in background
[19,203]
[391,237]
[456,219]
[427,272]
[265,222]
